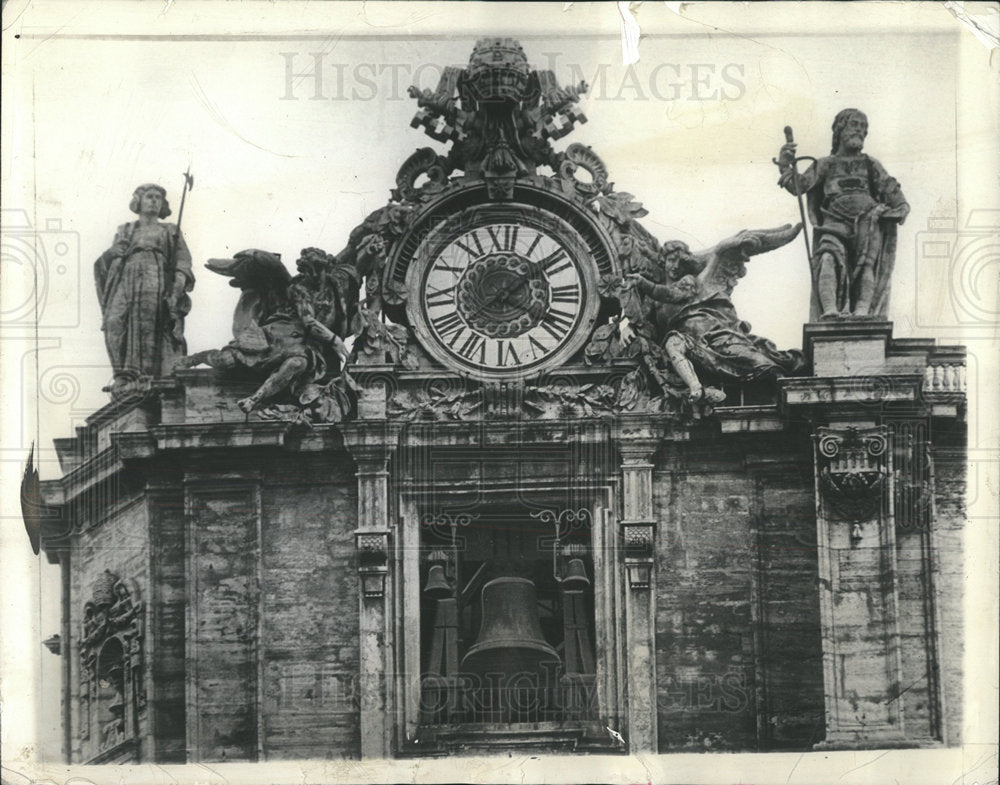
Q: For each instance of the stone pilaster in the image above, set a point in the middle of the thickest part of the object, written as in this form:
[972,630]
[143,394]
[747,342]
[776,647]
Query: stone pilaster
[860,376]
[636,446]
[862,663]
[374,543]
[223,620]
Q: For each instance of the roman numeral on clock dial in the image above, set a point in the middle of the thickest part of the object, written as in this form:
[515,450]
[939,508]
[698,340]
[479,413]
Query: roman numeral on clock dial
[439,297]
[534,244]
[473,348]
[537,349]
[557,323]
[570,293]
[555,262]
[507,355]
[504,238]
[471,244]
[448,323]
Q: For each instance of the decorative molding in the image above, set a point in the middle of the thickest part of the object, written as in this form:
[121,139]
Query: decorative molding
[561,399]
[913,475]
[853,471]
[638,539]
[373,561]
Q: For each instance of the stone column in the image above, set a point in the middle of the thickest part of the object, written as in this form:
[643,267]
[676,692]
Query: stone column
[638,530]
[373,539]
[862,662]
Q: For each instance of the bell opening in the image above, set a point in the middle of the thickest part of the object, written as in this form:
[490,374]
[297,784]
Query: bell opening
[507,624]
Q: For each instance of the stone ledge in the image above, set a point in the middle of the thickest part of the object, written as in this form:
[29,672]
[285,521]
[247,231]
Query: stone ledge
[749,419]
[872,391]
[220,435]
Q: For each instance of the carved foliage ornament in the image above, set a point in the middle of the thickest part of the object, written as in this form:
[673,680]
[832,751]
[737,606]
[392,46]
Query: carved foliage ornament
[853,471]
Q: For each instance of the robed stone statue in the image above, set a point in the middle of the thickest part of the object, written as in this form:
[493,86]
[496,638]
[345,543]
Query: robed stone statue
[854,206]
[142,285]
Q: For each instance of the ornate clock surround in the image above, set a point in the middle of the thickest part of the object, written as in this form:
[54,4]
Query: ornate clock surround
[541,213]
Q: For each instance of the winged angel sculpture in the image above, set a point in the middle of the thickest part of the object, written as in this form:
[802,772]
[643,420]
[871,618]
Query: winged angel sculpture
[677,319]
[291,330]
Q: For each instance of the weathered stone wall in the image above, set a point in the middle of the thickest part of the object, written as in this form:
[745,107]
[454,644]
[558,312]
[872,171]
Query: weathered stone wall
[788,645]
[739,652]
[916,632]
[223,584]
[949,453]
[309,604]
[272,606]
[738,646]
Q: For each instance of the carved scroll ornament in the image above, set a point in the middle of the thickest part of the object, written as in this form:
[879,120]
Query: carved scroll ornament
[853,471]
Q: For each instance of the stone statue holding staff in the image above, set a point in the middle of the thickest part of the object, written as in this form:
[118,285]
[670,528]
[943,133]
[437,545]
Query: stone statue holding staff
[142,285]
[854,207]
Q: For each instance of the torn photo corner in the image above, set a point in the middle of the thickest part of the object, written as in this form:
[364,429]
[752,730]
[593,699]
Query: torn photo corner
[556,392]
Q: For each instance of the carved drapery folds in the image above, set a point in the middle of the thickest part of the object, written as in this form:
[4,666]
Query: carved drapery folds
[111,658]
[853,471]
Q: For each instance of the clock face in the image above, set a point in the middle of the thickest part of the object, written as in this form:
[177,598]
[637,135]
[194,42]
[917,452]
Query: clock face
[503,292]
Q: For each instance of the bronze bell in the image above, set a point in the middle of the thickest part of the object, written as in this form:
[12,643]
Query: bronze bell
[576,575]
[510,638]
[437,584]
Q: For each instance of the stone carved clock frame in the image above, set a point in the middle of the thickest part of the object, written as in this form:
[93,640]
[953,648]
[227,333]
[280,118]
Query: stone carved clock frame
[547,329]
[541,213]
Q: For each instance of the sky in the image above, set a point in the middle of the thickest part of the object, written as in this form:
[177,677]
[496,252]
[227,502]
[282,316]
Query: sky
[294,119]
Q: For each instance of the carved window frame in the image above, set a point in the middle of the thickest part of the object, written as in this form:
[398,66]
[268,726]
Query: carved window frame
[112,639]
[416,501]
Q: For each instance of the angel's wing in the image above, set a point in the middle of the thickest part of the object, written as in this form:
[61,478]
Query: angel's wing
[264,281]
[725,263]
[253,269]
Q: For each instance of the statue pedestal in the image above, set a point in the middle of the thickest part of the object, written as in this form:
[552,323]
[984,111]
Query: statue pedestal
[846,348]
